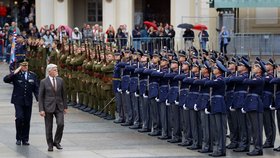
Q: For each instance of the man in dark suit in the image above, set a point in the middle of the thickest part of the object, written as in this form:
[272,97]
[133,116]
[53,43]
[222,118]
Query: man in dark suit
[25,83]
[52,102]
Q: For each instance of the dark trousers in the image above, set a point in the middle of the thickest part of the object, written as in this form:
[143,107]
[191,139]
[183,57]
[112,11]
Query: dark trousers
[269,126]
[119,105]
[23,117]
[135,108]
[196,128]
[278,119]
[127,107]
[164,119]
[145,112]
[175,114]
[223,48]
[206,134]
[185,125]
[154,113]
[255,120]
[219,127]
[243,129]
[59,115]
[233,127]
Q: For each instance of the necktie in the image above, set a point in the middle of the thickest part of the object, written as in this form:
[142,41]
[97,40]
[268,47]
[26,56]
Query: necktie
[25,75]
[54,86]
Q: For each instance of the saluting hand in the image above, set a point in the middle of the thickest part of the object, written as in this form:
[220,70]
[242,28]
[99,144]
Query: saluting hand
[17,70]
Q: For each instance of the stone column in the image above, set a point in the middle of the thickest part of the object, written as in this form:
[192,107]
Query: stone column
[63,13]
[44,12]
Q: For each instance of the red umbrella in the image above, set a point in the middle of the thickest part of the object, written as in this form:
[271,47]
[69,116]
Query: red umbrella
[150,24]
[200,27]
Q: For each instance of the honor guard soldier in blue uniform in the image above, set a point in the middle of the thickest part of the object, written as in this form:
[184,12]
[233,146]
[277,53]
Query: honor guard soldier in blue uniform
[133,87]
[25,84]
[276,81]
[162,96]
[190,102]
[173,101]
[117,86]
[240,92]
[269,107]
[126,102]
[232,118]
[153,89]
[184,113]
[218,110]
[202,103]
[143,98]
[254,108]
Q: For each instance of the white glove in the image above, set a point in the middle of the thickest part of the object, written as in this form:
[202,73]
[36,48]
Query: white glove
[243,111]
[231,109]
[166,102]
[184,107]
[176,102]
[119,90]
[136,95]
[195,107]
[206,111]
[271,107]
[127,92]
[145,96]
[158,70]
[157,100]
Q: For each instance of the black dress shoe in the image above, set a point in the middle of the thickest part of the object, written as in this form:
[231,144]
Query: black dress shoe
[98,113]
[109,117]
[82,107]
[58,146]
[134,127]
[118,121]
[193,147]
[77,106]
[217,154]
[204,151]
[25,143]
[268,146]
[232,146]
[255,153]
[18,142]
[174,141]
[154,133]
[92,111]
[126,124]
[143,130]
[50,149]
[103,115]
[87,109]
[185,144]
[163,137]
[277,149]
[241,150]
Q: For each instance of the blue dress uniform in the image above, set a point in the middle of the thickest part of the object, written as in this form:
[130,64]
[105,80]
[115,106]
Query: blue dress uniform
[277,104]
[164,110]
[269,112]
[25,84]
[254,109]
[144,104]
[184,114]
[240,93]
[173,96]
[153,89]
[126,102]
[202,103]
[218,112]
[118,95]
[133,87]
[194,115]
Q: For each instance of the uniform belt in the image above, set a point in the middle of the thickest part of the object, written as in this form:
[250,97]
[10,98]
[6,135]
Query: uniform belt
[217,96]
[230,91]
[153,83]
[207,94]
[184,89]
[143,80]
[163,86]
[267,92]
[126,76]
[116,79]
[241,92]
[174,87]
[253,94]
[193,93]
[133,77]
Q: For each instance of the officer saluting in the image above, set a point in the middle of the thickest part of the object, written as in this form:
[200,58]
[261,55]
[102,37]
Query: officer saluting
[25,83]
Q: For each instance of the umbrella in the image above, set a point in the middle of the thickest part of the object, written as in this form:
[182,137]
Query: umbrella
[67,28]
[150,24]
[185,26]
[200,27]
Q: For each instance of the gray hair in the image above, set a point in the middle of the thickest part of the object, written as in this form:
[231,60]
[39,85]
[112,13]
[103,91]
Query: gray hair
[50,67]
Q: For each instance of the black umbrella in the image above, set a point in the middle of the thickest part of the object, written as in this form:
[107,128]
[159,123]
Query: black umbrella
[185,26]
